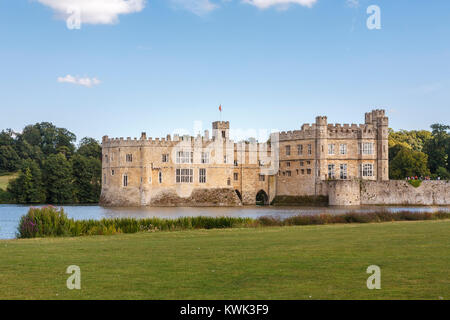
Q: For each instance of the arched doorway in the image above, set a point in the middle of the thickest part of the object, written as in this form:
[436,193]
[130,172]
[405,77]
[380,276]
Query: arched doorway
[262,199]
[238,194]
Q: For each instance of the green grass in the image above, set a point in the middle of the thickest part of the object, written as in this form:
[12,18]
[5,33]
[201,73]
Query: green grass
[298,262]
[4,179]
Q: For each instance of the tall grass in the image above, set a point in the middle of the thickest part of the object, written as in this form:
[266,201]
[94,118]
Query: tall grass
[53,222]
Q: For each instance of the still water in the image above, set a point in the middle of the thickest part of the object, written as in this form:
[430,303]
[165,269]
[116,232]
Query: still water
[10,214]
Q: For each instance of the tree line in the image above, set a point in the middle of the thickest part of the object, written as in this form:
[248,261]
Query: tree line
[420,153]
[51,169]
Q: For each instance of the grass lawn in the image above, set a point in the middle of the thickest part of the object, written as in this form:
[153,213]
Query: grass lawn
[306,262]
[4,179]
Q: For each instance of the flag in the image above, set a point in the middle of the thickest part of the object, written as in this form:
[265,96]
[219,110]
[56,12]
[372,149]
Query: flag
[220,108]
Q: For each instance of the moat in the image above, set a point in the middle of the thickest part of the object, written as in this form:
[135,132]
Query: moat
[10,214]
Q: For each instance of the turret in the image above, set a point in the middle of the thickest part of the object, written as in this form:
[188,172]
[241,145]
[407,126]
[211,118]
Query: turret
[321,147]
[221,130]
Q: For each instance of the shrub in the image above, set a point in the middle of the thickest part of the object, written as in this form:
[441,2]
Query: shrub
[47,221]
[415,183]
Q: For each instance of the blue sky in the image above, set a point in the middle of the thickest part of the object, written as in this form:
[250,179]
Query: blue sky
[159,65]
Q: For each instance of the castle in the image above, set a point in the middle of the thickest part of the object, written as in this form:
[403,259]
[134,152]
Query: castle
[216,171]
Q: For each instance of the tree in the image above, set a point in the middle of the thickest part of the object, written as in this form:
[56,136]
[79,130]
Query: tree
[89,147]
[414,139]
[58,179]
[28,186]
[87,178]
[408,163]
[438,147]
[443,173]
[49,138]
[9,159]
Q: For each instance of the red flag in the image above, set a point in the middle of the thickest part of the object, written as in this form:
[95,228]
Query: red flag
[220,108]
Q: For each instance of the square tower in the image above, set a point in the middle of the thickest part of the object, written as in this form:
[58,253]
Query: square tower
[221,130]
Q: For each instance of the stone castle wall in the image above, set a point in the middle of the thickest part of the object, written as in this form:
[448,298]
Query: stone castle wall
[396,192]
[393,192]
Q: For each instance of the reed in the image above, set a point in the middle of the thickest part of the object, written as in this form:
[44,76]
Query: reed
[50,221]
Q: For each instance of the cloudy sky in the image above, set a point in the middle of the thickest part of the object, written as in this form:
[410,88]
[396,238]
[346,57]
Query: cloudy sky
[119,67]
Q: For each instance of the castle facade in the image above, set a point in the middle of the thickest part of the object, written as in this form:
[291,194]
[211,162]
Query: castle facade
[216,171]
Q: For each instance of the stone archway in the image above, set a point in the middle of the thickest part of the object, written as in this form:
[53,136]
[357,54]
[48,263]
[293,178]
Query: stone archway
[262,199]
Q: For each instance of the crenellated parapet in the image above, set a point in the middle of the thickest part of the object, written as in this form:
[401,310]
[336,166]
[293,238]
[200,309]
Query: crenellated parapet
[334,131]
[181,141]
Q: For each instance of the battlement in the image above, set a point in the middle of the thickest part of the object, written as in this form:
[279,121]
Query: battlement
[221,125]
[367,130]
[321,121]
[372,116]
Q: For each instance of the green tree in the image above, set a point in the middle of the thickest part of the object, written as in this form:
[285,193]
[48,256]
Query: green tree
[89,147]
[58,179]
[28,186]
[409,163]
[49,138]
[438,147]
[414,140]
[9,159]
[87,178]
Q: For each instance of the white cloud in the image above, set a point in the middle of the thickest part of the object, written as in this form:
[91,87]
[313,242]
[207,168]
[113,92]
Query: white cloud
[87,82]
[199,7]
[264,4]
[94,11]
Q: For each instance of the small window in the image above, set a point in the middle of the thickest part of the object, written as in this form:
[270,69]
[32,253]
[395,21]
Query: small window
[202,175]
[343,149]
[236,176]
[223,134]
[125,180]
[302,163]
[165,158]
[160,177]
[112,172]
[331,149]
[288,173]
[235,163]
[300,149]
[229,181]
[288,150]
[205,157]
[129,157]
[288,164]
[308,171]
[367,170]
[309,149]
[297,171]
[308,162]
[303,171]
[331,168]
[263,177]
[343,168]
